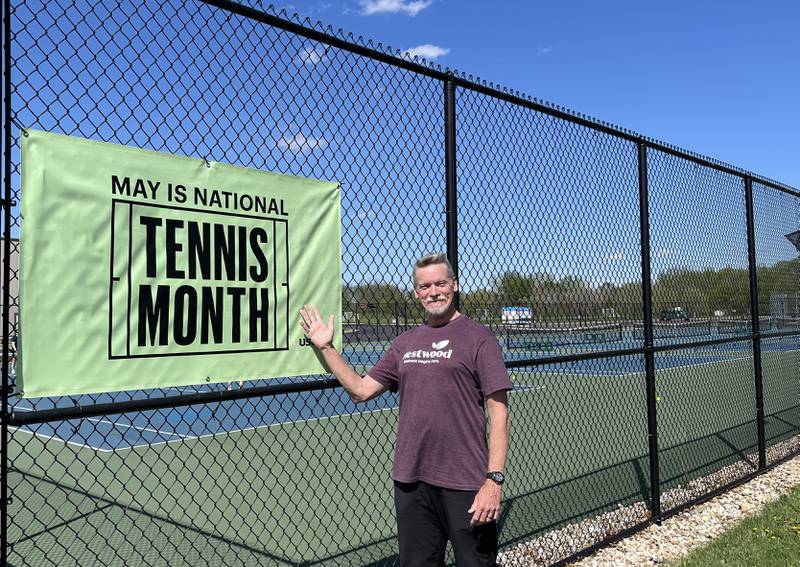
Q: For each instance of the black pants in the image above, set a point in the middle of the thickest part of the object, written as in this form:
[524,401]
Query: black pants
[428,516]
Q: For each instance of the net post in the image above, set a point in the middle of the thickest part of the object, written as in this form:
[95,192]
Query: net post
[451,202]
[649,353]
[756,326]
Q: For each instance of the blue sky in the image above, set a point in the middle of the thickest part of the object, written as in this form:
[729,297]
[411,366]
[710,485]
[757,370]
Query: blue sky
[536,194]
[720,79]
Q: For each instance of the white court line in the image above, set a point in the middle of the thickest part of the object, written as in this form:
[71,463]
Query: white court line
[281,424]
[56,438]
[723,359]
[526,388]
[546,373]
[115,424]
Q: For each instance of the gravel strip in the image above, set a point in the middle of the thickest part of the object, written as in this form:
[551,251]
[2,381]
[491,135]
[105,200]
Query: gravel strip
[698,525]
[676,536]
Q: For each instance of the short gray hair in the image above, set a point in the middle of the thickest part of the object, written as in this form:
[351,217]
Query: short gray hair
[431,260]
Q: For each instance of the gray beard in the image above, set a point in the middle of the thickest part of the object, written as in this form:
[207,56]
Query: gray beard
[437,310]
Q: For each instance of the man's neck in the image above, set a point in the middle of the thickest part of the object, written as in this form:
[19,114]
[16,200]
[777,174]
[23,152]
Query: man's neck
[444,318]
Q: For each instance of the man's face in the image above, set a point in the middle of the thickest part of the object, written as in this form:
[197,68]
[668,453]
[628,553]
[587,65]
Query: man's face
[434,289]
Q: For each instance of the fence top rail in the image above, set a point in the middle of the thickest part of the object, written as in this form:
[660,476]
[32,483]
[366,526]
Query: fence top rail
[365,47]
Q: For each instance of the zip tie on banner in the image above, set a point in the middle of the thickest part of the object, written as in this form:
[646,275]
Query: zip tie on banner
[20,126]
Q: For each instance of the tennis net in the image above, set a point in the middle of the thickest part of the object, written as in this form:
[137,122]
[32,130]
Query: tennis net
[734,327]
[543,338]
[786,323]
[677,330]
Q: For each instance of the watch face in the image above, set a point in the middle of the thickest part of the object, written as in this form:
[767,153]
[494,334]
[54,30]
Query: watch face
[498,477]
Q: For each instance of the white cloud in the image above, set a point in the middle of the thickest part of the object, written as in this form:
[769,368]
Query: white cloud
[307,55]
[370,7]
[665,253]
[543,50]
[615,257]
[426,51]
[299,144]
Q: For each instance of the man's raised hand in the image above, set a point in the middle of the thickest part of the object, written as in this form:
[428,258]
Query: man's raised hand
[320,334]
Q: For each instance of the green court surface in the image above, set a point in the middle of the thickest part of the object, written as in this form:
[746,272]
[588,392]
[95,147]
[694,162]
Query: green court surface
[318,492]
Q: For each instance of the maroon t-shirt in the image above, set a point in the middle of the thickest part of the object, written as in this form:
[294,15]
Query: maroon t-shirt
[443,375]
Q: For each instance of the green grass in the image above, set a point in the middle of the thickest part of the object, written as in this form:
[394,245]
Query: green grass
[772,538]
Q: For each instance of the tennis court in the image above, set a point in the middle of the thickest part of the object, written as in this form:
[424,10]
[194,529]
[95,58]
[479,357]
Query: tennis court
[180,424]
[314,471]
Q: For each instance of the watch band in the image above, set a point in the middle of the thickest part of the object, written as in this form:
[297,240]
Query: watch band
[496,476]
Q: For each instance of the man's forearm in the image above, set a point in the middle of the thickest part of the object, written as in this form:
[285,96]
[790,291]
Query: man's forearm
[349,378]
[498,440]
[486,506]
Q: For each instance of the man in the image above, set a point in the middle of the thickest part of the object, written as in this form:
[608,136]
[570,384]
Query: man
[447,481]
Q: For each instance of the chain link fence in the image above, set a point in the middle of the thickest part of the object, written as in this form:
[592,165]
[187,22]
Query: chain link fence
[646,299]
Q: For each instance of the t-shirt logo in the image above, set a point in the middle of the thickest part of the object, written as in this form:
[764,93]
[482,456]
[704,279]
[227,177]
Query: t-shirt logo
[429,356]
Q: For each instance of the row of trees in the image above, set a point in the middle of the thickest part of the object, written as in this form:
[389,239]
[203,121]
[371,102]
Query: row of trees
[702,293]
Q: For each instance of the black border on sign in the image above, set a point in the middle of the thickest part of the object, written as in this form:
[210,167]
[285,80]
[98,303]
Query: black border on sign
[112,279]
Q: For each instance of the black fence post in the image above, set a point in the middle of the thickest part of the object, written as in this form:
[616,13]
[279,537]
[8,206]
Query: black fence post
[451,203]
[754,315]
[649,354]
[4,413]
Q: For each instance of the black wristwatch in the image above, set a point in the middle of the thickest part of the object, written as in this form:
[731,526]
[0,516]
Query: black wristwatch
[497,477]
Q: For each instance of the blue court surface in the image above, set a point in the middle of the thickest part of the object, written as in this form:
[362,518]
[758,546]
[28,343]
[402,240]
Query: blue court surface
[125,431]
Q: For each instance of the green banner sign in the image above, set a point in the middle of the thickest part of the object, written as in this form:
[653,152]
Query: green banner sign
[141,269]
